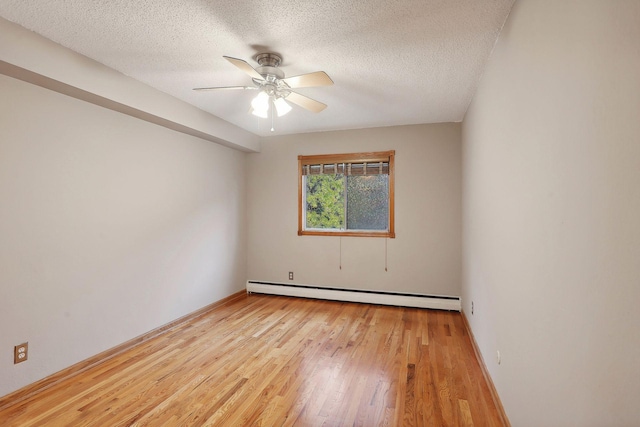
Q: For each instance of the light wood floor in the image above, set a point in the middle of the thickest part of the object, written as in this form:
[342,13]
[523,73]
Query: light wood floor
[272,361]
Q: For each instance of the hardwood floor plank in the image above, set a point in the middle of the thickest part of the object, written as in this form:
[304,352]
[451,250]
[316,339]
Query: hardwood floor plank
[278,361]
[465,412]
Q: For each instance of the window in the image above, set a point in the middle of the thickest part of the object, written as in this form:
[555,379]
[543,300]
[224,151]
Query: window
[346,194]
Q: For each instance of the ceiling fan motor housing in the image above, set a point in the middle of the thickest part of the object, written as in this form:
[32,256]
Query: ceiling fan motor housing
[273,72]
[269,63]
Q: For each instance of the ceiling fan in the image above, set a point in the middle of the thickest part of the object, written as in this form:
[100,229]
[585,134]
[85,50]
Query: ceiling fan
[275,89]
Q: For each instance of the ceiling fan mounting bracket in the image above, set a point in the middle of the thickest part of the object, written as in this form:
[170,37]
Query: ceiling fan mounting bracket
[268,59]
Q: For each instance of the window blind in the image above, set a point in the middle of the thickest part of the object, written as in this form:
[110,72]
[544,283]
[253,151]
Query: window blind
[376,168]
[372,163]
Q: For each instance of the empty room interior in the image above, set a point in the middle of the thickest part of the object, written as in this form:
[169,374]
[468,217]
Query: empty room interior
[434,219]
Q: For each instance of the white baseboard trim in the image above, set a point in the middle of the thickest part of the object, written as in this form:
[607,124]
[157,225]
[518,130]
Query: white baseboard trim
[438,302]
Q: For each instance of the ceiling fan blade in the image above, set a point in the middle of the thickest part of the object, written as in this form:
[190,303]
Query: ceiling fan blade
[244,66]
[225,88]
[319,78]
[306,102]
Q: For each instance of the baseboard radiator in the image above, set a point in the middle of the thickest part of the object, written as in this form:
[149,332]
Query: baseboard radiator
[352,295]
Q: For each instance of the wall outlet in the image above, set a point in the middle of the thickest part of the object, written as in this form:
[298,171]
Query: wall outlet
[291,275]
[472,308]
[20,353]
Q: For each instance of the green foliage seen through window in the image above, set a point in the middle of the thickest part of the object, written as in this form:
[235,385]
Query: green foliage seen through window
[325,201]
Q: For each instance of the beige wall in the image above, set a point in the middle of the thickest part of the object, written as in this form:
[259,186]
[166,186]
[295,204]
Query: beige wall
[425,256]
[110,227]
[551,169]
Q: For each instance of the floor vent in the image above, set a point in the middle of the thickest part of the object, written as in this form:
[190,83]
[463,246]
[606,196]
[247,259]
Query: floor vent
[351,295]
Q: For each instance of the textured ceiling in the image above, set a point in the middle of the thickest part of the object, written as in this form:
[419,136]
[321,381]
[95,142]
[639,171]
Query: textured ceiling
[393,62]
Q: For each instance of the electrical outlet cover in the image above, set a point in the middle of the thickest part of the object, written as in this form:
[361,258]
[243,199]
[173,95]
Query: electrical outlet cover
[21,353]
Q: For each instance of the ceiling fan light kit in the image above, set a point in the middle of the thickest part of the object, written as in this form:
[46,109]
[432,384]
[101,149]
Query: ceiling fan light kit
[260,105]
[282,107]
[275,88]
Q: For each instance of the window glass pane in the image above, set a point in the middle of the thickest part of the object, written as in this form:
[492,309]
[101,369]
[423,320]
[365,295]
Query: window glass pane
[325,201]
[368,202]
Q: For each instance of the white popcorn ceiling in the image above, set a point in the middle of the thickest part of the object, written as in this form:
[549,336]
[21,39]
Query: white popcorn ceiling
[393,62]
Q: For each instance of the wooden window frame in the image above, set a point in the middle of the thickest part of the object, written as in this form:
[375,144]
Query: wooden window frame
[369,157]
